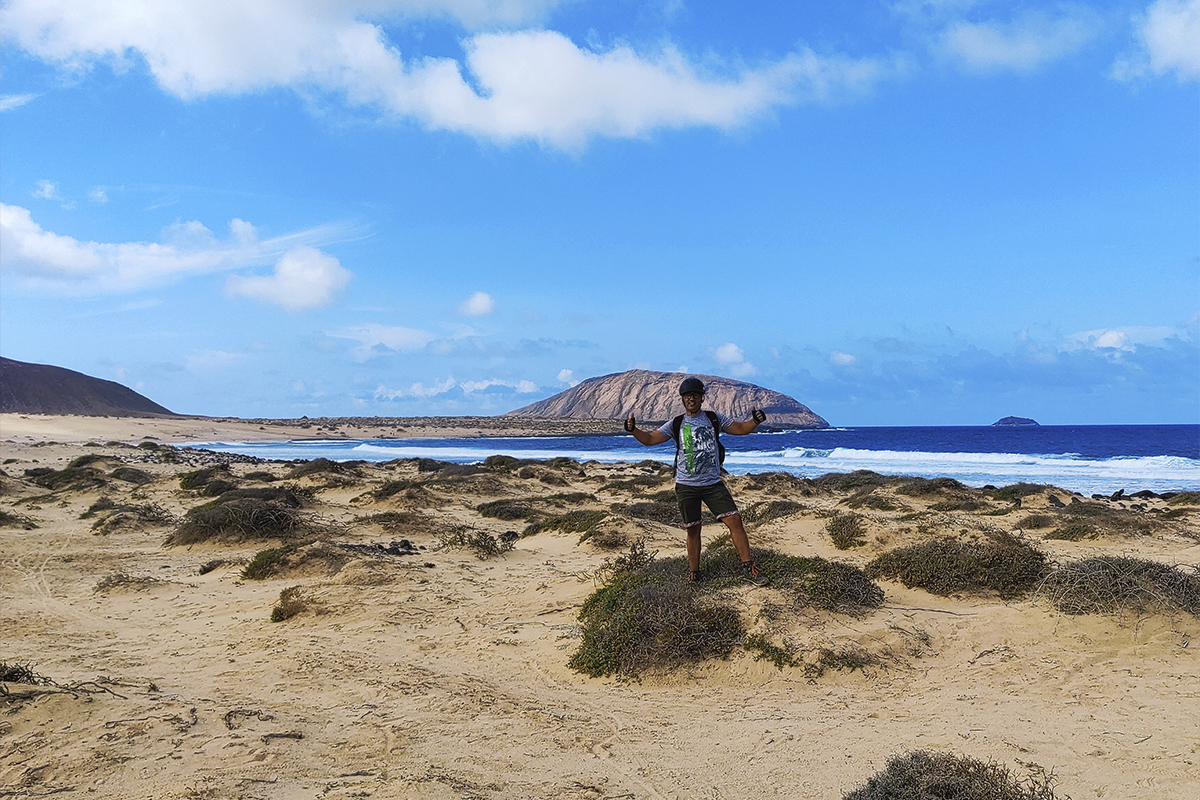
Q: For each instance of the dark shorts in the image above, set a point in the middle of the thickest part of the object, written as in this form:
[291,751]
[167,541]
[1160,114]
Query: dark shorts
[716,496]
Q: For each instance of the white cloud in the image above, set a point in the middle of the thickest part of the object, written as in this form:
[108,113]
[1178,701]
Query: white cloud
[477,305]
[374,339]
[524,84]
[567,376]
[840,359]
[1021,45]
[1169,37]
[420,390]
[10,101]
[46,190]
[303,278]
[1126,338]
[46,259]
[733,359]
[98,195]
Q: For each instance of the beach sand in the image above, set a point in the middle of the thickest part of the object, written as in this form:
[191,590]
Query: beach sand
[437,674]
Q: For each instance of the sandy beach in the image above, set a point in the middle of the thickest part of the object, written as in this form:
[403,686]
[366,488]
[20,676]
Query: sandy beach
[420,669]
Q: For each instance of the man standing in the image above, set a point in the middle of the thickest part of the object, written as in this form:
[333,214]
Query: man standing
[698,471]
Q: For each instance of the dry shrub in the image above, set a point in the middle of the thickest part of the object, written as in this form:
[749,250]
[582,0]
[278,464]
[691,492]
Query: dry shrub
[846,530]
[1184,499]
[869,499]
[131,475]
[924,775]
[780,483]
[1005,565]
[817,583]
[960,504]
[482,543]
[1109,584]
[1014,492]
[850,481]
[316,466]
[120,580]
[80,473]
[198,479]
[636,484]
[665,512]
[507,510]
[22,673]
[241,519]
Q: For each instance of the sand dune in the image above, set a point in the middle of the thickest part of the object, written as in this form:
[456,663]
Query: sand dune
[438,674]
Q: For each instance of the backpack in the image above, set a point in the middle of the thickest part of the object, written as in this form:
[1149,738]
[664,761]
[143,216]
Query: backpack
[677,424]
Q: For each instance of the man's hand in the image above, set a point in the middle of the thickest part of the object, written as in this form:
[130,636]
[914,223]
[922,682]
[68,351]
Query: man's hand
[630,425]
[759,415]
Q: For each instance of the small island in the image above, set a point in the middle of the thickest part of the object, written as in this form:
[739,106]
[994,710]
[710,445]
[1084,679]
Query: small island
[1015,422]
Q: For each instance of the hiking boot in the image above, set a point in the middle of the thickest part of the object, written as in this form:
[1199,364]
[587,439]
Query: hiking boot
[751,574]
[694,576]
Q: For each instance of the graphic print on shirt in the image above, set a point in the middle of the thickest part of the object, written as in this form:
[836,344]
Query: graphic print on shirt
[699,447]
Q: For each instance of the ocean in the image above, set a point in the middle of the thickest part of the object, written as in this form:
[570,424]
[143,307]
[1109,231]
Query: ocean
[1089,459]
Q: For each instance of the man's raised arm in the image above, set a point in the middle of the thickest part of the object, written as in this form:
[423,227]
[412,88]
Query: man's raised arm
[645,437]
[757,416]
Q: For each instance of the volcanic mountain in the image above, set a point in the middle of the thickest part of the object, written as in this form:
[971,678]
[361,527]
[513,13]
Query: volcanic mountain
[43,389]
[654,396]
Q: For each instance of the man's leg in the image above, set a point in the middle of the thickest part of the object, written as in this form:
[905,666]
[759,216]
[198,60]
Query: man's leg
[693,547]
[741,542]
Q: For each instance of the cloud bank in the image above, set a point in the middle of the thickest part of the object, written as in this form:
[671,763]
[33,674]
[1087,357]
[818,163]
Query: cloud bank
[531,84]
[304,277]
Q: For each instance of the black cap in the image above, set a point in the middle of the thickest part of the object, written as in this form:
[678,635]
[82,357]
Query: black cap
[691,385]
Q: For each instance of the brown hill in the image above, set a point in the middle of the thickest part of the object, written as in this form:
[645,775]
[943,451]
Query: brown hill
[654,396]
[43,389]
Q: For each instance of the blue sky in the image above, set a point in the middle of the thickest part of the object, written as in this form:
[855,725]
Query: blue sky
[900,213]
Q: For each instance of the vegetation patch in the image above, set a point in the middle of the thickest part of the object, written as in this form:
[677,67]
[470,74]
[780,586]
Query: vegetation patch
[238,520]
[636,484]
[294,557]
[1073,531]
[131,475]
[199,478]
[780,483]
[482,543]
[22,673]
[261,476]
[846,530]
[506,510]
[817,583]
[869,499]
[1005,565]
[1016,491]
[317,466]
[11,519]
[924,487]
[78,474]
[398,521]
[209,566]
[293,601]
[121,580]
[1035,522]
[581,521]
[827,659]
[1109,584]
[850,481]
[641,623]
[924,775]
[1184,499]
[961,504]
[771,510]
[661,511]
[765,651]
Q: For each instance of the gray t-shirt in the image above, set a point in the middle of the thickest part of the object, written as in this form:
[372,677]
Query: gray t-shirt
[697,463]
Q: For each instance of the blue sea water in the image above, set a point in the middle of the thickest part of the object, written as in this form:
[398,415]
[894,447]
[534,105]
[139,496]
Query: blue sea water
[1083,458]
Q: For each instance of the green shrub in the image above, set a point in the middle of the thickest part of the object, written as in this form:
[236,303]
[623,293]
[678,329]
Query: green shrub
[817,583]
[131,475]
[923,775]
[638,624]
[1108,584]
[851,481]
[662,511]
[581,521]
[964,504]
[846,530]
[868,498]
[770,510]
[267,563]
[831,659]
[1184,499]
[765,651]
[1035,522]
[1005,565]
[292,601]
[923,487]
[315,466]
[1072,531]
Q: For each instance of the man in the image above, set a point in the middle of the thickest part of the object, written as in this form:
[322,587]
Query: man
[698,472]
